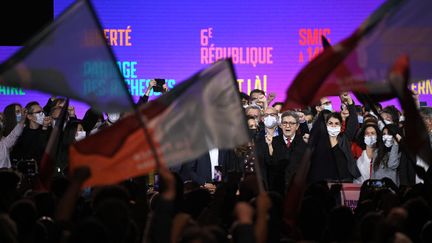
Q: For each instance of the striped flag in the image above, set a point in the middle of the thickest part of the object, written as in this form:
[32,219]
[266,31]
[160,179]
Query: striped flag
[362,61]
[70,58]
[201,113]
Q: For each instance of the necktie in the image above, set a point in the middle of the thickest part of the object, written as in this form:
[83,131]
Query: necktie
[288,142]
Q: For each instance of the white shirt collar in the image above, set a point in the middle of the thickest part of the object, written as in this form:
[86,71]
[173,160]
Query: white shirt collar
[291,140]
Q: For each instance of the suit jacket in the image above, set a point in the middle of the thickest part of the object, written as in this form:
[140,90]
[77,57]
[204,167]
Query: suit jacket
[407,170]
[199,170]
[284,161]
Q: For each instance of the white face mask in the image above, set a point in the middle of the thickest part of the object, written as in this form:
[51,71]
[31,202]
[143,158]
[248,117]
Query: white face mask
[270,121]
[113,117]
[80,135]
[18,117]
[388,140]
[370,140]
[387,122]
[328,107]
[333,131]
[40,118]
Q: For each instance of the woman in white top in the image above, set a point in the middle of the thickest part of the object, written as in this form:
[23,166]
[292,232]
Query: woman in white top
[6,143]
[376,161]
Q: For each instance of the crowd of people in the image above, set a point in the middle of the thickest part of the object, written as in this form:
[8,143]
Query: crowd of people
[219,196]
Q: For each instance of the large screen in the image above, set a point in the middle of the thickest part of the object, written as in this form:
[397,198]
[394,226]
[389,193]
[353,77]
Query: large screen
[269,41]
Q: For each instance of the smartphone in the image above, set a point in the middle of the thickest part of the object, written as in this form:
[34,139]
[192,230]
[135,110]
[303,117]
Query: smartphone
[218,173]
[377,184]
[159,85]
[156,182]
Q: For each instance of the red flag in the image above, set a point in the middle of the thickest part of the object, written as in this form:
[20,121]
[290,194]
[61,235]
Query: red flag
[307,83]
[417,139]
[361,61]
[364,96]
[47,164]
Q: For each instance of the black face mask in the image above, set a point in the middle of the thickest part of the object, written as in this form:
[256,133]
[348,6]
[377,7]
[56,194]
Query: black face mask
[253,133]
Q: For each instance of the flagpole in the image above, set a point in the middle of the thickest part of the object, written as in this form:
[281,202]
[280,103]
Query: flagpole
[258,173]
[50,154]
[135,107]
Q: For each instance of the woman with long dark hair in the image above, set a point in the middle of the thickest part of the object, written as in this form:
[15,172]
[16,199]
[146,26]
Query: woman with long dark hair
[376,160]
[332,158]
[11,116]
[7,141]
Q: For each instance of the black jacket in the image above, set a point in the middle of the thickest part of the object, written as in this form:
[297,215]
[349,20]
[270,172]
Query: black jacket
[284,161]
[199,170]
[31,144]
[321,166]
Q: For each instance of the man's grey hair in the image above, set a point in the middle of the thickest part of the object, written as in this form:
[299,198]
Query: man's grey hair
[250,107]
[290,113]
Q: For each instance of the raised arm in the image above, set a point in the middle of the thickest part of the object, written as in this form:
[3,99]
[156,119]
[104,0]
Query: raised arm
[352,122]
[13,136]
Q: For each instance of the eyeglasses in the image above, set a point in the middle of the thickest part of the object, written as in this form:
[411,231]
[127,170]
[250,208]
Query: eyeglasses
[289,123]
[327,103]
[271,114]
[35,112]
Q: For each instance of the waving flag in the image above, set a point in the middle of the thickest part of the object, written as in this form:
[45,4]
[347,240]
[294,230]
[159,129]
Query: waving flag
[199,114]
[70,58]
[362,61]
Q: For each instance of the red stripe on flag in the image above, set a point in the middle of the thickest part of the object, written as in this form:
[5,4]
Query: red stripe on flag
[132,158]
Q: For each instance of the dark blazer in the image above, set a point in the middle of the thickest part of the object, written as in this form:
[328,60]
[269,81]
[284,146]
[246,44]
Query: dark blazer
[407,173]
[284,161]
[182,171]
[320,168]
[199,170]
[407,166]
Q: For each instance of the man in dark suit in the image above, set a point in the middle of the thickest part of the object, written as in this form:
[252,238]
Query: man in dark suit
[286,151]
[208,168]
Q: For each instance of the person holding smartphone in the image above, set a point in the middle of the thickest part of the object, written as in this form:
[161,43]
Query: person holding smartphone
[158,85]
